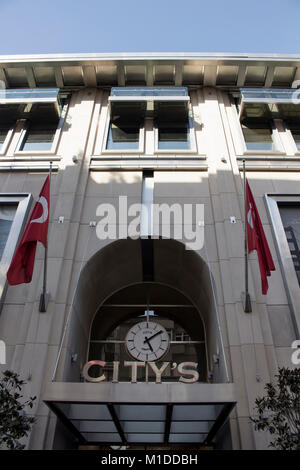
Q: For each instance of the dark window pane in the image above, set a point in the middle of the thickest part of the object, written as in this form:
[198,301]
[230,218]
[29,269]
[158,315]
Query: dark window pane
[258,138]
[39,138]
[173,138]
[123,136]
[290,216]
[3,134]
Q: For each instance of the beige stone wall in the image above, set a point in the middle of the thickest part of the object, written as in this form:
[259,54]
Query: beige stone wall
[256,344]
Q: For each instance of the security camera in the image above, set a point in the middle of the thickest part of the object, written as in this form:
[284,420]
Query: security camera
[75,159]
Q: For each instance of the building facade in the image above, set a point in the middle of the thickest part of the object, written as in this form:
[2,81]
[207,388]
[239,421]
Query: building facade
[145,342]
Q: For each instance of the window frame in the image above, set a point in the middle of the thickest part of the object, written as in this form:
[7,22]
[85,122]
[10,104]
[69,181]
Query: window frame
[286,263]
[57,134]
[279,149]
[7,140]
[24,201]
[106,151]
[239,139]
[191,130]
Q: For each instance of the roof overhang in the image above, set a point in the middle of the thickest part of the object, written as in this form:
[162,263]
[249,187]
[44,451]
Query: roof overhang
[71,71]
[126,413]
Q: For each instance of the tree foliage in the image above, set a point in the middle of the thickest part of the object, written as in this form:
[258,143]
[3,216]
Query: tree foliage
[279,411]
[14,423]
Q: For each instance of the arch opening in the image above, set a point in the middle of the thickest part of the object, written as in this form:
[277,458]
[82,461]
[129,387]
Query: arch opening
[120,273]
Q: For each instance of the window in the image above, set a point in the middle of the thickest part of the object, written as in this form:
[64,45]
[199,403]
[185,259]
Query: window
[123,135]
[284,213]
[163,111]
[8,118]
[43,123]
[172,123]
[3,134]
[113,348]
[41,111]
[14,209]
[39,137]
[261,112]
[125,126]
[290,216]
[7,213]
[258,136]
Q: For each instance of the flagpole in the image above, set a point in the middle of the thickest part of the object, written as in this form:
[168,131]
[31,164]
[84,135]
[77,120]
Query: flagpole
[245,295]
[44,299]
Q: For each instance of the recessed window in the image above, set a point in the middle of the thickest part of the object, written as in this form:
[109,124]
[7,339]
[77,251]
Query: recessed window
[258,137]
[43,121]
[14,209]
[123,136]
[3,134]
[125,125]
[135,112]
[290,216]
[39,137]
[173,136]
[172,123]
[7,214]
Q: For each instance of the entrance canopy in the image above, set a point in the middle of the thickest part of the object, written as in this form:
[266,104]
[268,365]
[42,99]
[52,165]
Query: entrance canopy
[143,413]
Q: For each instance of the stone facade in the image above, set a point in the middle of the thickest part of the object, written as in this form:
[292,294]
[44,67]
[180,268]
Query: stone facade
[255,344]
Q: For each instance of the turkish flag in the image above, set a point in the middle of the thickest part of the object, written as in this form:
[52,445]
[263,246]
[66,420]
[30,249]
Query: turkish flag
[257,240]
[21,267]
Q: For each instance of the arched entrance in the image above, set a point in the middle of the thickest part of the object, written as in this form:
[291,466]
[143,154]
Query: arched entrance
[117,286]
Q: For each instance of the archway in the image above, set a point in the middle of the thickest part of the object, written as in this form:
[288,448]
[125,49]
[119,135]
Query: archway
[118,284]
[128,262]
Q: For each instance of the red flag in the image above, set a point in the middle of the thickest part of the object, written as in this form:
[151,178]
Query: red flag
[257,240]
[21,267]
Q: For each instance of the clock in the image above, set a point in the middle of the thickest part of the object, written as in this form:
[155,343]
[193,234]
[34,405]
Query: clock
[147,341]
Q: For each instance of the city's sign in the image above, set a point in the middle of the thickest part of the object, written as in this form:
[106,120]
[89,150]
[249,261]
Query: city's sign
[187,370]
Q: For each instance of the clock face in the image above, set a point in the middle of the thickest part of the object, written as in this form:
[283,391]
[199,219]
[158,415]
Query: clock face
[147,341]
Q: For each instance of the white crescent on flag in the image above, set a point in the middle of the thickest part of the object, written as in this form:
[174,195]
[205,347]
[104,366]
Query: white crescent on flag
[249,217]
[40,220]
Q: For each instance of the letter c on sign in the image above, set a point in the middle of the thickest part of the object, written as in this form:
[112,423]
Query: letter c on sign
[86,368]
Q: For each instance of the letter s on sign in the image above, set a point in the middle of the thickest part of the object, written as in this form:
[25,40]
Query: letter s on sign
[296,354]
[86,368]
[184,372]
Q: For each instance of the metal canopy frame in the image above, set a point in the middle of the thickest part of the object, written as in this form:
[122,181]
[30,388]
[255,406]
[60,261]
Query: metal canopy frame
[165,436]
[131,414]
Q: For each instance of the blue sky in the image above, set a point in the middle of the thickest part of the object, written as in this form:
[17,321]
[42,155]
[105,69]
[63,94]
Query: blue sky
[62,26]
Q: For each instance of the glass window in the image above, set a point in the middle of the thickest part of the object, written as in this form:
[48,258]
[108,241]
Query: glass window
[42,121]
[295,131]
[173,136]
[3,133]
[290,216]
[39,137]
[172,122]
[113,348]
[7,213]
[258,136]
[123,136]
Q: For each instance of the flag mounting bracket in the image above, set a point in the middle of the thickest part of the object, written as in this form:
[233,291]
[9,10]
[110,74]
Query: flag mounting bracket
[44,301]
[246,301]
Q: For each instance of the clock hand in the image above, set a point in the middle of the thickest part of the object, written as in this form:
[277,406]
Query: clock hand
[153,336]
[149,344]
